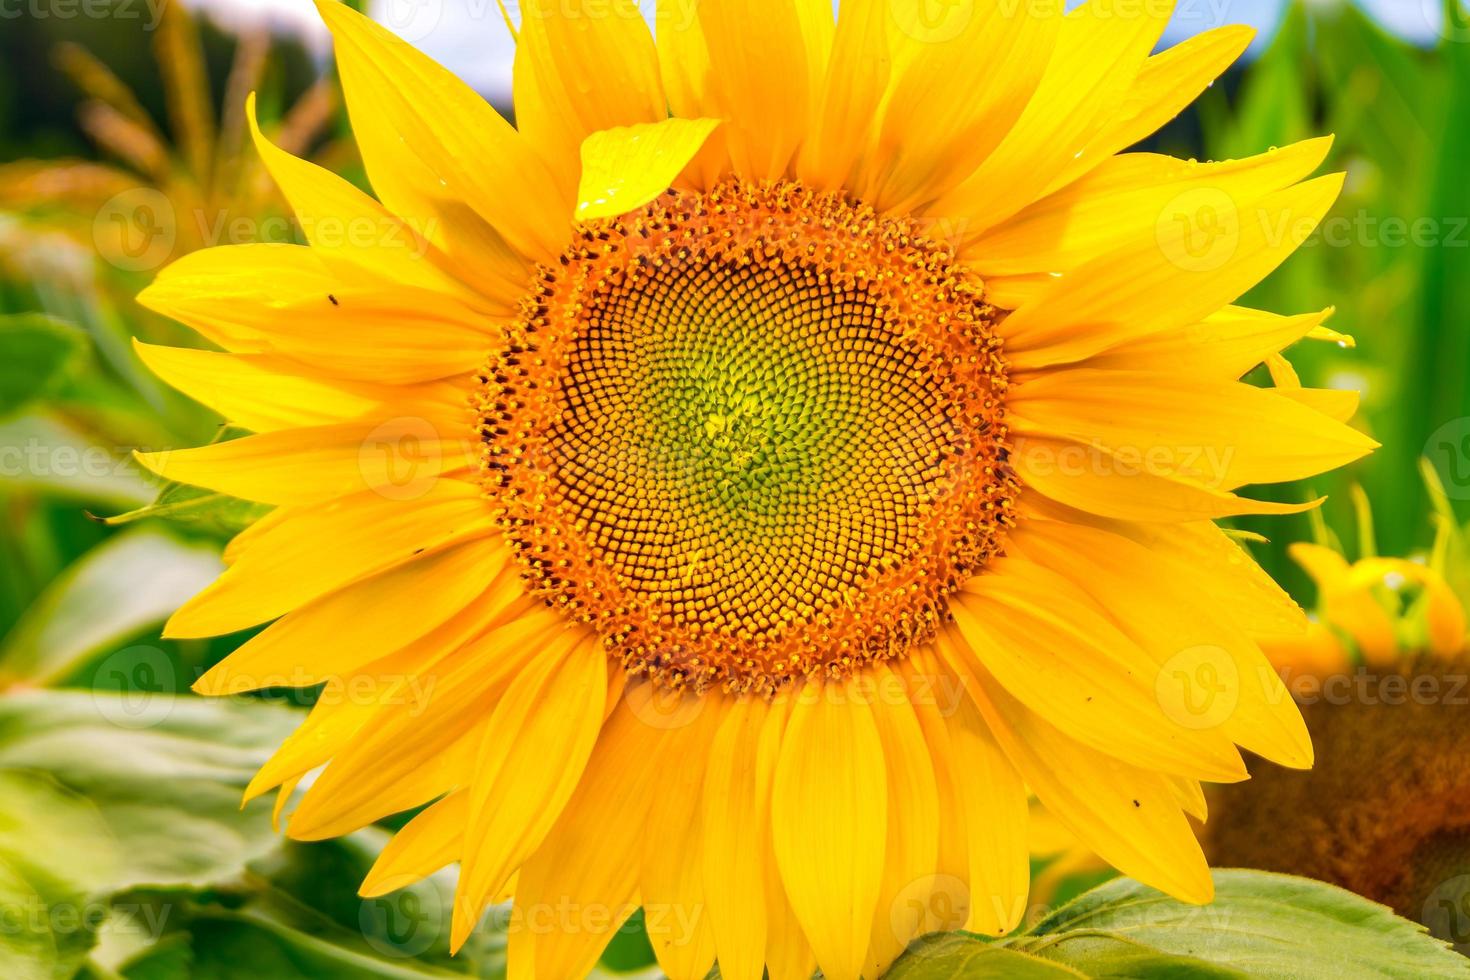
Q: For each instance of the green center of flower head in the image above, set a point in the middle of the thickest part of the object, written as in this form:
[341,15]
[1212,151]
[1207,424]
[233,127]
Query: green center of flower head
[751,434]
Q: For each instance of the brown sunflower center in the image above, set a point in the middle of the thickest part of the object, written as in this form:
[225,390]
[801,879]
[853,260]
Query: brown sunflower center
[751,434]
[1382,813]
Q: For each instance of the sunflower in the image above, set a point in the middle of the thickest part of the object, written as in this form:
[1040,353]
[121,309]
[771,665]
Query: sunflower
[735,488]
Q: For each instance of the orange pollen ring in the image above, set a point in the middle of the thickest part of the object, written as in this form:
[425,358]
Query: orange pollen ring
[750,435]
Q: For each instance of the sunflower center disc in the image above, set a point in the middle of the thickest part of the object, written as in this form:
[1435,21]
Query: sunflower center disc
[751,434]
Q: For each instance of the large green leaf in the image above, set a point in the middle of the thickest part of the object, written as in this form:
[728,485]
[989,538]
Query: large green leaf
[52,456]
[958,955]
[164,773]
[38,352]
[297,916]
[1260,926]
[54,850]
[127,585]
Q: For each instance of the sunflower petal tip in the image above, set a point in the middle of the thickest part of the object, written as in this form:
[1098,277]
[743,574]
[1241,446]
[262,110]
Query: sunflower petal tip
[625,167]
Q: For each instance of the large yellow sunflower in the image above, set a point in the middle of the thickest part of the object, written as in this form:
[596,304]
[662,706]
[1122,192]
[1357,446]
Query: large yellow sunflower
[731,489]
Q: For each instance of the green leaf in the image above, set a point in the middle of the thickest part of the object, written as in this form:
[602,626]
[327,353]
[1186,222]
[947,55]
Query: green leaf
[1260,926]
[164,773]
[39,351]
[204,509]
[297,916]
[1271,925]
[54,850]
[128,584]
[51,456]
[34,945]
[957,955]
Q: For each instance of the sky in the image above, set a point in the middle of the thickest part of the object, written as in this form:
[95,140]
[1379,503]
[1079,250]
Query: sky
[470,37]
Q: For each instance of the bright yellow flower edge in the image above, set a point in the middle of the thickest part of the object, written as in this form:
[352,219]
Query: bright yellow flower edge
[825,821]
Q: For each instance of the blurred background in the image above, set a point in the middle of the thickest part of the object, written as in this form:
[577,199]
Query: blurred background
[122,146]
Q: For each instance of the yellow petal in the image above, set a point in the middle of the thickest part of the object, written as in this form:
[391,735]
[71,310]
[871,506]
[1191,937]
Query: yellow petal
[765,111]
[351,697]
[671,883]
[352,627]
[577,73]
[932,137]
[532,754]
[1125,197]
[348,229]
[1090,478]
[1316,653]
[1096,57]
[912,854]
[413,750]
[400,459]
[1337,404]
[1247,597]
[1205,672]
[1167,84]
[1127,815]
[1216,434]
[829,823]
[1057,653]
[995,814]
[846,99]
[936,694]
[259,392]
[580,886]
[428,842]
[625,168]
[283,299]
[1201,256]
[440,156]
[1223,346]
[326,547]
[736,804]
